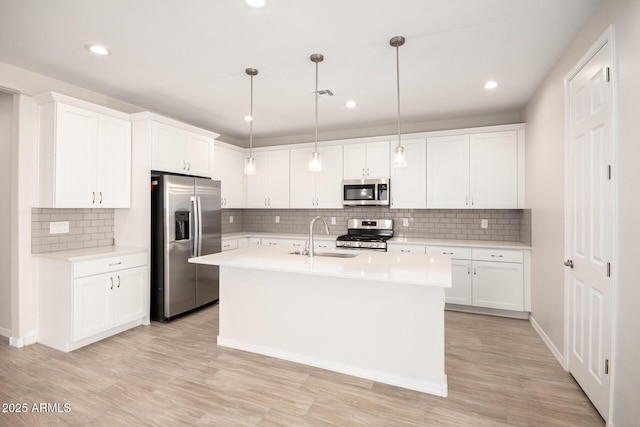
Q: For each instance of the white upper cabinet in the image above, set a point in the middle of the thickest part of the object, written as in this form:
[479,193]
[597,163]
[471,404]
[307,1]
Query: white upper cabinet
[409,184]
[493,171]
[366,160]
[316,189]
[177,150]
[85,154]
[228,167]
[477,171]
[269,187]
[448,172]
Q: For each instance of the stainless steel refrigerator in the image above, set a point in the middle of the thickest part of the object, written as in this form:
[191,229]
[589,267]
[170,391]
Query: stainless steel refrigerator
[185,222]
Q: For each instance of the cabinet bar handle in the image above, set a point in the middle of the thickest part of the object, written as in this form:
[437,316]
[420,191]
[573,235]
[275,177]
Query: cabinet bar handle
[468,269]
[447,253]
[475,270]
[111,278]
[188,166]
[496,256]
[118,281]
[363,172]
[101,197]
[115,263]
[93,193]
[466,201]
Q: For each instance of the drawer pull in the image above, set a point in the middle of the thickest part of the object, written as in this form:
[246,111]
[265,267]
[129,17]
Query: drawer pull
[405,250]
[497,256]
[447,253]
[115,263]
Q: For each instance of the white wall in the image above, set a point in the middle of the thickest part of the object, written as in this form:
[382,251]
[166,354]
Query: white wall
[544,115]
[6,115]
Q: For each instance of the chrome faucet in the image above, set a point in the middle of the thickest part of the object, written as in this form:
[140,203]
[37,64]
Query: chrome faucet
[313,221]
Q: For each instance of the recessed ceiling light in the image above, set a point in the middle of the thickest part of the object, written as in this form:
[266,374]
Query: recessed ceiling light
[257,4]
[97,49]
[491,85]
[351,104]
[248,118]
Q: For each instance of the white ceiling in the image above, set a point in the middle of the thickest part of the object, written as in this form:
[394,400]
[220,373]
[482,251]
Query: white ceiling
[186,58]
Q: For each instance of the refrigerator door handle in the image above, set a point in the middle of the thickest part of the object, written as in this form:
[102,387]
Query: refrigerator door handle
[199,225]
[194,235]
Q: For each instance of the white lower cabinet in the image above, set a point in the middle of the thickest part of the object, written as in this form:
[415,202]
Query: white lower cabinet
[487,278]
[81,302]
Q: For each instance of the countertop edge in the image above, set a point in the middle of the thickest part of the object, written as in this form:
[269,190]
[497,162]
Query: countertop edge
[87,254]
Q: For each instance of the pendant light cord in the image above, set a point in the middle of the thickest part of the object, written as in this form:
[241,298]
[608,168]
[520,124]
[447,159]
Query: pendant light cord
[251,121]
[316,96]
[398,88]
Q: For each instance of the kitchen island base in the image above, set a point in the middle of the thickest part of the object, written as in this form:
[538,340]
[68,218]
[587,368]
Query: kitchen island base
[380,330]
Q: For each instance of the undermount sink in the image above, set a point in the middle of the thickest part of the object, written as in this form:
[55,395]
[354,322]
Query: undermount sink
[327,254]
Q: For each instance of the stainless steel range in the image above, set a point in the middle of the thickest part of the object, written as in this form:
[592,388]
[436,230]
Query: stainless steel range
[366,234]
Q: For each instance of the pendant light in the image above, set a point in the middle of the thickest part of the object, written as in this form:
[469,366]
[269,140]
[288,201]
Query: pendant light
[400,157]
[315,164]
[250,162]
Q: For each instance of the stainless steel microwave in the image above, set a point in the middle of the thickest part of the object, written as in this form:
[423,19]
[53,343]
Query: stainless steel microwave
[371,192]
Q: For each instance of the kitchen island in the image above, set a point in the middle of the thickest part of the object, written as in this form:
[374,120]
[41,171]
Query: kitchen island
[375,315]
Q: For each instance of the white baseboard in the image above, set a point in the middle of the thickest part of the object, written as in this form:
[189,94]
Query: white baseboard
[4,332]
[423,386]
[554,350]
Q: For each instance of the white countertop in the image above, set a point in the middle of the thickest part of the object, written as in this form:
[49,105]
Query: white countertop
[86,254]
[490,244]
[429,270]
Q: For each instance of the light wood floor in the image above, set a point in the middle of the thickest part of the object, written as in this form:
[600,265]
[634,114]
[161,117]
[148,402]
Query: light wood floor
[499,372]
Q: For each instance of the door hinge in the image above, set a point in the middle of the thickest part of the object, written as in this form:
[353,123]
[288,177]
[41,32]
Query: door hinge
[606,366]
[607,74]
[608,269]
[609,172]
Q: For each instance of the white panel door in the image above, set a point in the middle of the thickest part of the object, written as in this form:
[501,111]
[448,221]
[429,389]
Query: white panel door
[76,156]
[498,285]
[228,167]
[303,182]
[168,149]
[448,172]
[113,181]
[461,291]
[329,179]
[197,154]
[590,203]
[278,179]
[257,184]
[355,161]
[493,170]
[409,184]
[131,293]
[92,305]
[378,160]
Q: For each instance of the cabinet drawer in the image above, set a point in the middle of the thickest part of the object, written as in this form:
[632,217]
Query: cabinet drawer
[499,255]
[282,242]
[228,245]
[108,264]
[452,251]
[411,249]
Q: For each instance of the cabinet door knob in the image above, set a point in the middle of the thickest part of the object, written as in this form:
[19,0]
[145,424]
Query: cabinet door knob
[568,263]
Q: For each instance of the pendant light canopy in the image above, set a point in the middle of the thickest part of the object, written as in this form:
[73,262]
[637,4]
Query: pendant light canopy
[400,158]
[315,164]
[250,162]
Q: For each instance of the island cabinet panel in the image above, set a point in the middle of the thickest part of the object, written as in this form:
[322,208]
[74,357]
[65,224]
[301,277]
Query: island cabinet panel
[290,320]
[366,160]
[269,187]
[84,301]
[85,155]
[409,184]
[316,189]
